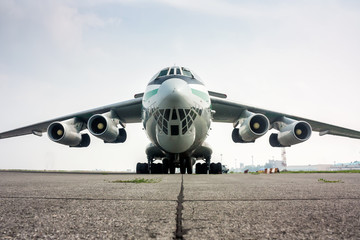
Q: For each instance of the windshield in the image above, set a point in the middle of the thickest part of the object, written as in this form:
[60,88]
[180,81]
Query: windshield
[169,71]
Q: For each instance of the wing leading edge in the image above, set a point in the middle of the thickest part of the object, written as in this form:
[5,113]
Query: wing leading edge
[127,111]
[229,111]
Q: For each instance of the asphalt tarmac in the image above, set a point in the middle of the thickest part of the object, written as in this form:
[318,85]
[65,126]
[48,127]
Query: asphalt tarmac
[232,206]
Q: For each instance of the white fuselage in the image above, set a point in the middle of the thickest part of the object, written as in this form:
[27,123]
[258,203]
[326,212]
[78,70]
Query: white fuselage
[176,113]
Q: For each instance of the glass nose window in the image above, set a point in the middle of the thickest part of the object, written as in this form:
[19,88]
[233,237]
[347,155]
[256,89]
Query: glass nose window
[174,130]
[174,115]
[184,117]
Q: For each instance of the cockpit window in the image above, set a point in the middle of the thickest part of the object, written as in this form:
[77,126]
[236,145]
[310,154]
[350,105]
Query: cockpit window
[175,71]
[174,115]
[181,72]
[178,72]
[163,72]
[167,114]
[187,73]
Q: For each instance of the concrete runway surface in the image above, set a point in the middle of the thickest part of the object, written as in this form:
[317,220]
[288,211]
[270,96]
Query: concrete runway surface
[233,206]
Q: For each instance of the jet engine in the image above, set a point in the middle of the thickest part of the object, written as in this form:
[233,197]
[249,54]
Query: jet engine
[68,133]
[252,126]
[105,128]
[290,132]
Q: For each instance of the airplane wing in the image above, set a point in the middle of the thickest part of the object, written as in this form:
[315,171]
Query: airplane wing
[127,111]
[229,111]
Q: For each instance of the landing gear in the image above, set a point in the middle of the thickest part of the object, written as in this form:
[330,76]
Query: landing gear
[156,168]
[172,167]
[207,167]
[182,166]
[142,168]
[215,168]
[201,168]
[186,166]
[168,165]
[189,166]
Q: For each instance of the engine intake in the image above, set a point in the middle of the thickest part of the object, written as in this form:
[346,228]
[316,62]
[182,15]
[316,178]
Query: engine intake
[106,129]
[290,132]
[253,126]
[67,133]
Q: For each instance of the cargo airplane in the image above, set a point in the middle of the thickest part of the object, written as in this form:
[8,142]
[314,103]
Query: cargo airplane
[176,111]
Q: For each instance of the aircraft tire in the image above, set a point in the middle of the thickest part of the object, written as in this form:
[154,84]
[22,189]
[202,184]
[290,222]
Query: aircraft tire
[172,167]
[203,168]
[165,166]
[156,168]
[182,169]
[138,168]
[189,167]
[142,168]
[159,168]
[212,168]
[219,168]
[146,168]
[197,168]
[182,166]
[153,168]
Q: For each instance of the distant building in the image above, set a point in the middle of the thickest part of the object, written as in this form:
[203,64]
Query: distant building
[317,167]
[346,166]
[275,164]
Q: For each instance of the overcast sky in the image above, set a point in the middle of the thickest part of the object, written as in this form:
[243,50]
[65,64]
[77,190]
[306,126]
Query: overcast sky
[61,57]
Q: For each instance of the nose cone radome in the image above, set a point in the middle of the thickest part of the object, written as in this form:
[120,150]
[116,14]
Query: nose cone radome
[173,92]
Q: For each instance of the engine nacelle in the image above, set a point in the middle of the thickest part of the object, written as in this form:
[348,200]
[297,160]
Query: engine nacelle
[106,129]
[252,127]
[68,133]
[290,132]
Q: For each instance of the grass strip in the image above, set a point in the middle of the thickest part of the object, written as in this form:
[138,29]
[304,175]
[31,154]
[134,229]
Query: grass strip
[328,181]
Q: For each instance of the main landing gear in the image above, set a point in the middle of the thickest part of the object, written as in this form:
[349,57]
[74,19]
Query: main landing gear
[186,166]
[151,167]
[207,167]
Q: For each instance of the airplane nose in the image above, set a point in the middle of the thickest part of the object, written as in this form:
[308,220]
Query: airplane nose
[176,144]
[173,92]
[173,133]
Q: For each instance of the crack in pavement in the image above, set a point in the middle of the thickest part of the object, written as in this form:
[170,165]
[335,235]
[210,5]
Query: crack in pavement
[179,229]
